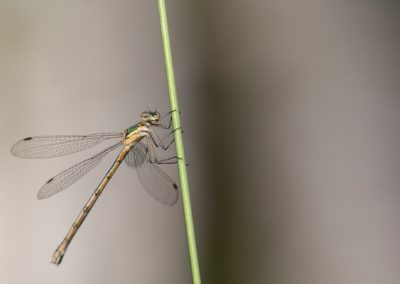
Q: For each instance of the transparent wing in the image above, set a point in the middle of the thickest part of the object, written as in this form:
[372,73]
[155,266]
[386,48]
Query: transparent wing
[40,147]
[71,175]
[136,157]
[154,180]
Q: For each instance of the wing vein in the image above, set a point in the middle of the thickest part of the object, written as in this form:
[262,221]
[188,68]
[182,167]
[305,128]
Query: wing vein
[72,174]
[39,147]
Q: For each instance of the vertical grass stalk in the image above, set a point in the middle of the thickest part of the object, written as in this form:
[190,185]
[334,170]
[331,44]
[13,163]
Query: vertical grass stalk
[187,208]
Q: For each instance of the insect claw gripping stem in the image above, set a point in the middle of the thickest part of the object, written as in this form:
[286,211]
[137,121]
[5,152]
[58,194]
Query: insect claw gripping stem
[179,158]
[173,131]
[171,111]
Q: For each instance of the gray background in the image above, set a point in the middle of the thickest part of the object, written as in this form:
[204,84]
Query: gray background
[291,118]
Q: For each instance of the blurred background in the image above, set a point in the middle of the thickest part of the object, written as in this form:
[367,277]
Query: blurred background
[291,112]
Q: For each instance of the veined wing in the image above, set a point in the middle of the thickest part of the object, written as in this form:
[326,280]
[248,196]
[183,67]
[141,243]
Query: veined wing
[39,147]
[71,175]
[154,180]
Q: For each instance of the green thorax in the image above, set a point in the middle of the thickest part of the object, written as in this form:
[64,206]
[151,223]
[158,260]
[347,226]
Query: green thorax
[132,128]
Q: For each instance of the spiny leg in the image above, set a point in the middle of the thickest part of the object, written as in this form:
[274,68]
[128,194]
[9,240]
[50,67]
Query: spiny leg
[160,142]
[153,154]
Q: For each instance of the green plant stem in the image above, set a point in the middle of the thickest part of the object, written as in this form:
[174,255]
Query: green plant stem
[187,208]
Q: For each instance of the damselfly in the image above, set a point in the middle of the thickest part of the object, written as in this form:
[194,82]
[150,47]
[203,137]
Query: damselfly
[141,156]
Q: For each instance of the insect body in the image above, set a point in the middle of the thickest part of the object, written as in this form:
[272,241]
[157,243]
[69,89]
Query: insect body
[141,156]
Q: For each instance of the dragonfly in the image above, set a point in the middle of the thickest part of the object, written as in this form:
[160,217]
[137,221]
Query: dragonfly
[144,157]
